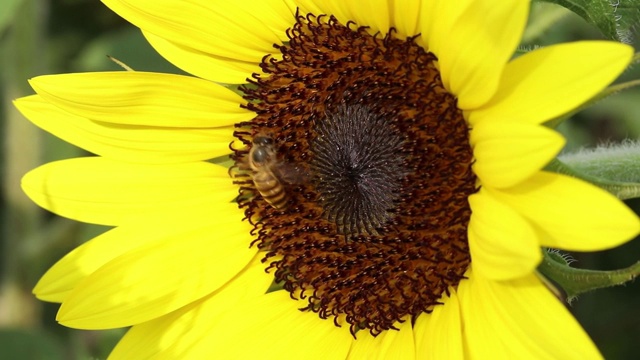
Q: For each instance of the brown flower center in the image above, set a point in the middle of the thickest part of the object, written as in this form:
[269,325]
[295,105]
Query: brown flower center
[367,213]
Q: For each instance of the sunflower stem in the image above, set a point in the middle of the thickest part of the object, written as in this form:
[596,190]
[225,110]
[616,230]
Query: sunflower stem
[578,281]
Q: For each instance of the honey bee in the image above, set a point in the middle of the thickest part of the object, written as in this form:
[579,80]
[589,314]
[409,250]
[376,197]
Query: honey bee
[263,161]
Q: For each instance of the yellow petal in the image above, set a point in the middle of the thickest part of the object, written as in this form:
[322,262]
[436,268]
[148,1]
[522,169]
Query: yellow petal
[477,48]
[277,330]
[406,17]
[174,334]
[139,98]
[509,152]
[102,191]
[198,63]
[438,20]
[56,284]
[217,28]
[519,319]
[375,14]
[123,142]
[391,344]
[277,15]
[576,215]
[552,81]
[365,346]
[339,9]
[314,7]
[439,334]
[503,245]
[159,277]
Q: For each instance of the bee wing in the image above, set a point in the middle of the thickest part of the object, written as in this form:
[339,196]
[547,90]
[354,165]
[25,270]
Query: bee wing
[291,173]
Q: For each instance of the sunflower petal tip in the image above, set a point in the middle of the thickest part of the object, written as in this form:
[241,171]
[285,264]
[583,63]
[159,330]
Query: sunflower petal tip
[627,226]
[634,229]
[72,316]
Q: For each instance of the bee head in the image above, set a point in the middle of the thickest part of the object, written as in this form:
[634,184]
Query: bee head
[262,140]
[260,155]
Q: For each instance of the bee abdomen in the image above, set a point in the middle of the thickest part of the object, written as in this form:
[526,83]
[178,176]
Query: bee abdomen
[271,190]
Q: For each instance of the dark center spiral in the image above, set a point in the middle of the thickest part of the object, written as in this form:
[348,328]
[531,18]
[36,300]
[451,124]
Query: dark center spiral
[375,232]
[358,164]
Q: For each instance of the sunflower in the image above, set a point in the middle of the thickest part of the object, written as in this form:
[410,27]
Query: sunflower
[386,199]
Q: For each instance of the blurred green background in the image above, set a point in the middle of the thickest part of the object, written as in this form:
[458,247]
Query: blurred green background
[59,36]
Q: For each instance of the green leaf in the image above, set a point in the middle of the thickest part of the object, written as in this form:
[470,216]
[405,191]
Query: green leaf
[613,18]
[578,281]
[614,171]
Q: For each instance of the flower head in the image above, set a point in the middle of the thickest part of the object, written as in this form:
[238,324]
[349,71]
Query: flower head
[388,161]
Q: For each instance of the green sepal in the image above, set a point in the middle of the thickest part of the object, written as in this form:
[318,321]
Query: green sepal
[614,19]
[236,87]
[223,160]
[574,282]
[609,169]
[275,286]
